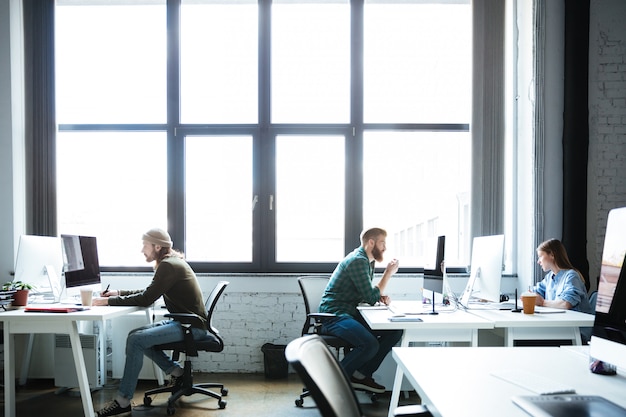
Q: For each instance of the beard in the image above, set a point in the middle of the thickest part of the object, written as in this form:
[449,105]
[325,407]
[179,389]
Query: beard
[377,254]
[150,256]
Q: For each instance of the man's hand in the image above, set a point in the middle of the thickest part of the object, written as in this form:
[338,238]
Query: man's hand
[100,301]
[385,299]
[393,266]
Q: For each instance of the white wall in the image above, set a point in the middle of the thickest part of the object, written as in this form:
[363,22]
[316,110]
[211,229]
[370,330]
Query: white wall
[11,133]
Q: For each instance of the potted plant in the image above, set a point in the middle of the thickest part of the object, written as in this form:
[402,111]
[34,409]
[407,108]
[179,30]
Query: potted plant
[20,298]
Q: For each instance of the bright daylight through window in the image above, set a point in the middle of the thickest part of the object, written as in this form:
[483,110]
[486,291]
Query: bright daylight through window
[264,135]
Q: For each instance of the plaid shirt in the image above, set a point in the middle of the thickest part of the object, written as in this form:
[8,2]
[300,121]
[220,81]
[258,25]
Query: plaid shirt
[350,285]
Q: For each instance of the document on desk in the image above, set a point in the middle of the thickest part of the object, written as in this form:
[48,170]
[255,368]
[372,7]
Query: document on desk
[548,310]
[535,383]
[404,318]
[54,308]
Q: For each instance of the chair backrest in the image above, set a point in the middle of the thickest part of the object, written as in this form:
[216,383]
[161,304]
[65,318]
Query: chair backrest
[312,288]
[593,298]
[210,303]
[324,377]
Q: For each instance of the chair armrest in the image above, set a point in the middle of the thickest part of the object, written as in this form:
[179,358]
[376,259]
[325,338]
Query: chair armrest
[321,316]
[416,410]
[186,318]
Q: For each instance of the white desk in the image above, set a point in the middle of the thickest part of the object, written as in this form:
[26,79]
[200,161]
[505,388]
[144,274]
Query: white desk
[457,326]
[520,326]
[457,381]
[21,322]
[451,326]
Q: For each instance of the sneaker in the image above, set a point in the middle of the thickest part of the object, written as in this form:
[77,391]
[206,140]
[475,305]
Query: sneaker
[367,384]
[113,409]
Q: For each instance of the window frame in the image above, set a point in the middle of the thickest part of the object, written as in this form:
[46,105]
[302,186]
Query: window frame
[264,134]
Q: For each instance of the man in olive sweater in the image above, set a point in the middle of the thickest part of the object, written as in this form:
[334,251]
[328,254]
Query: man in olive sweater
[177,283]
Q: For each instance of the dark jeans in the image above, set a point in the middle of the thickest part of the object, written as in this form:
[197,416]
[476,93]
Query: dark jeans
[369,346]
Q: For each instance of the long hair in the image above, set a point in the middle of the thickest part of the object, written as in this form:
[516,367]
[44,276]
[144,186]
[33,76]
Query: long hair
[555,248]
[166,252]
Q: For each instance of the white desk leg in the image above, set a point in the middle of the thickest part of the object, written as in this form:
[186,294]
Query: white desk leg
[508,337]
[395,394]
[81,370]
[26,359]
[397,381]
[102,376]
[9,371]
[577,339]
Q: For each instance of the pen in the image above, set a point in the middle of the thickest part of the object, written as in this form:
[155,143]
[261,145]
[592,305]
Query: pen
[107,289]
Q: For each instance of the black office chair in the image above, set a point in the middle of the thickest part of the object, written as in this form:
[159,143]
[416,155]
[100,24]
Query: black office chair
[328,384]
[312,288]
[189,347]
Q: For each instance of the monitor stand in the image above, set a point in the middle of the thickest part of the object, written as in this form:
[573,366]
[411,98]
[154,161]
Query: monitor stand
[516,309]
[433,303]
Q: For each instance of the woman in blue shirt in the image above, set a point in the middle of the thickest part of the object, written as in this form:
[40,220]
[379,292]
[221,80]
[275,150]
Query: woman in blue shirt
[563,286]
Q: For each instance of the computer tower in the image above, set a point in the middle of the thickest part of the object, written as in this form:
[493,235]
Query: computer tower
[64,367]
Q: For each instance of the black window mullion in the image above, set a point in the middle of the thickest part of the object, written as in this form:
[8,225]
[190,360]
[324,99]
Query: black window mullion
[175,141]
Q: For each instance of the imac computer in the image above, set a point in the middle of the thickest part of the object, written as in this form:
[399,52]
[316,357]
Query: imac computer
[80,256]
[433,277]
[608,340]
[483,285]
[39,262]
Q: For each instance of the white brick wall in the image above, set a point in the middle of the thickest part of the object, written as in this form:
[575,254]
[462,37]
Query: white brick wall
[607,121]
[248,320]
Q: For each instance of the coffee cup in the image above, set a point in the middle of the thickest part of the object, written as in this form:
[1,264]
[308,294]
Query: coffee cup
[86,297]
[528,302]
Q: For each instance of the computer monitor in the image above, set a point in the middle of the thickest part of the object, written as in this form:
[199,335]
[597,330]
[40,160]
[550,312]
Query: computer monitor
[485,270]
[608,340]
[433,277]
[39,262]
[80,255]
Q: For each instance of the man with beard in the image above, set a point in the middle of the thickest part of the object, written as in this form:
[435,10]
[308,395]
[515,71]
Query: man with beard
[350,285]
[176,282]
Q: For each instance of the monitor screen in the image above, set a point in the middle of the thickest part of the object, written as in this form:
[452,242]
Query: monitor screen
[608,340]
[39,262]
[80,260]
[485,270]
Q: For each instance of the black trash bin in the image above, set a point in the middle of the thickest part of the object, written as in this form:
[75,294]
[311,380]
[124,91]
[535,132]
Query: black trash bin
[276,366]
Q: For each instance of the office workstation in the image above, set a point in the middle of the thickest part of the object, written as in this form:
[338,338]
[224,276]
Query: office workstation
[585,372]
[23,322]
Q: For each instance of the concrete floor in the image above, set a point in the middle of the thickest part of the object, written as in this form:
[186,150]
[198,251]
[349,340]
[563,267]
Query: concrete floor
[249,395]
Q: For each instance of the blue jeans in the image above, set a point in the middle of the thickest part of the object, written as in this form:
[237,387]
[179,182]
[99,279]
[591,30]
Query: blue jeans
[369,346]
[141,341]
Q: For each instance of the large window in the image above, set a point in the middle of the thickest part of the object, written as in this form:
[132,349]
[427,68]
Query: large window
[265,135]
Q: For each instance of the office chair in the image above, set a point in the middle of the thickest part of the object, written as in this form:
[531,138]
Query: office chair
[312,288]
[329,385]
[586,332]
[190,348]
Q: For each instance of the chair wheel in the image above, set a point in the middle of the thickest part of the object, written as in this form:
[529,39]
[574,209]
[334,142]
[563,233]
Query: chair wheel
[221,404]
[373,398]
[224,392]
[299,402]
[170,410]
[147,401]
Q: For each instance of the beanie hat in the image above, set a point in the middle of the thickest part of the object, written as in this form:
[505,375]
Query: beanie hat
[158,237]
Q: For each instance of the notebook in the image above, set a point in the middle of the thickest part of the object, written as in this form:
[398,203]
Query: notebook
[54,308]
[568,406]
